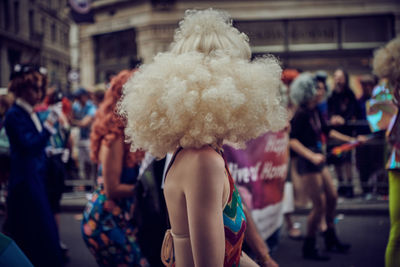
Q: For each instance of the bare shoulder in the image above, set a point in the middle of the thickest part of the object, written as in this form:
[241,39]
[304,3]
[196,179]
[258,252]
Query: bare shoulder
[205,158]
[201,165]
[112,149]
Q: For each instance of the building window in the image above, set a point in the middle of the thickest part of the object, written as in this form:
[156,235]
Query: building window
[114,52]
[66,40]
[16,17]
[5,14]
[31,23]
[14,57]
[44,62]
[43,25]
[53,33]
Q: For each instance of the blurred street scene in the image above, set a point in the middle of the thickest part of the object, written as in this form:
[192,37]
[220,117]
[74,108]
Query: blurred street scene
[80,46]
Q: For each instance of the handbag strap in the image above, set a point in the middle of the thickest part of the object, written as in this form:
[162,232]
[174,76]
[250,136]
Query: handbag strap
[167,249]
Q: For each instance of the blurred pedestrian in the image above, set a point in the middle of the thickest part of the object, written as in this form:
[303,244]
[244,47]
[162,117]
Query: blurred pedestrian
[57,154]
[368,83]
[6,101]
[107,225]
[83,111]
[110,74]
[369,157]
[386,64]
[292,187]
[321,77]
[308,127]
[98,96]
[203,93]
[342,110]
[30,221]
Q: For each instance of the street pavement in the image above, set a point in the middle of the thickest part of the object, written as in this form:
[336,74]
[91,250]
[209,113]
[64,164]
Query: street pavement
[367,234]
[365,224]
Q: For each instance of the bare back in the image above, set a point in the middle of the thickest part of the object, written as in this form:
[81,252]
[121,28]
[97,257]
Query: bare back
[196,189]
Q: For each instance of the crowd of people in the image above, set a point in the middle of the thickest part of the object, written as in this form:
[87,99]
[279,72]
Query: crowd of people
[36,147]
[235,134]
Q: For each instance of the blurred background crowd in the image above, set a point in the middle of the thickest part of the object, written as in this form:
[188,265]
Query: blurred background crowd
[81,46]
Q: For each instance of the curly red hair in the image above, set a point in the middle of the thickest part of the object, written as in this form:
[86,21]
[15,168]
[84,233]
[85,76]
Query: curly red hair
[108,125]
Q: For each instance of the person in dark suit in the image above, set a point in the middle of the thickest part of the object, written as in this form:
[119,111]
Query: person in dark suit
[30,221]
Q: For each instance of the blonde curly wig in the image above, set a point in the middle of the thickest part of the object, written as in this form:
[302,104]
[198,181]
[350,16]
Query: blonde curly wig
[208,31]
[204,91]
[386,63]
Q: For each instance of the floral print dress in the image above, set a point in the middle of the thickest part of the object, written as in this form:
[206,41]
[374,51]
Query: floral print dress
[107,226]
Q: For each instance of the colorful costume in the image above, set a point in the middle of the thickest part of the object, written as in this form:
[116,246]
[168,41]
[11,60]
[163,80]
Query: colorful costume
[107,226]
[56,170]
[234,225]
[234,221]
[87,169]
[393,247]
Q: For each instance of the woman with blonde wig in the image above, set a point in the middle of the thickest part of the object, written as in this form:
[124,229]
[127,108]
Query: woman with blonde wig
[387,65]
[196,97]
[107,226]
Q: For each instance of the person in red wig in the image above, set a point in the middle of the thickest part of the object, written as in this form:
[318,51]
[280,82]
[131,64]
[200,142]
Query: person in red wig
[107,226]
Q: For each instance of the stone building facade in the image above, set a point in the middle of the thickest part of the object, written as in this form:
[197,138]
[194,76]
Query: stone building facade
[35,31]
[304,34]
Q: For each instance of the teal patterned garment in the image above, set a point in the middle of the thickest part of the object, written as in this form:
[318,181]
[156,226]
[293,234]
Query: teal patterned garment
[107,226]
[234,219]
[234,225]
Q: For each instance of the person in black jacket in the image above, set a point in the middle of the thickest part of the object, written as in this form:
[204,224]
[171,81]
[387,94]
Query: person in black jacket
[342,109]
[308,128]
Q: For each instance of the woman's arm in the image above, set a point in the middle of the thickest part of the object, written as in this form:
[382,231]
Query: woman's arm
[111,158]
[345,138]
[256,243]
[341,137]
[204,199]
[303,151]
[86,121]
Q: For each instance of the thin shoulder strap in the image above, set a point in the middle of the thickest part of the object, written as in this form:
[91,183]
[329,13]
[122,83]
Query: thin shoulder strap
[172,161]
[221,153]
[229,176]
[165,177]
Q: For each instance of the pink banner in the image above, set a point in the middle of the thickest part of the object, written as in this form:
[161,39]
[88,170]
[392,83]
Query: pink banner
[260,170]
